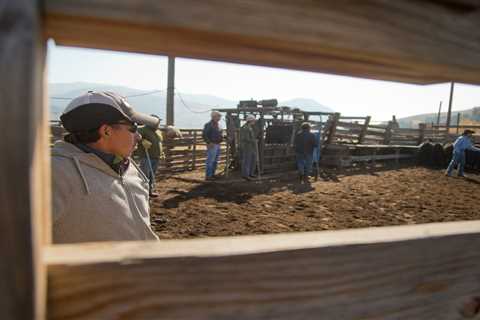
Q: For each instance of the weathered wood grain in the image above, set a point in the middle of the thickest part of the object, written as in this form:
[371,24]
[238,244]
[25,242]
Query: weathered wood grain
[409,272]
[412,41]
[24,165]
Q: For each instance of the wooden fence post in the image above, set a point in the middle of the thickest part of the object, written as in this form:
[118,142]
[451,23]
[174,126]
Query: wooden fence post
[24,164]
[459,115]
[387,137]
[194,151]
[333,128]
[363,132]
[421,133]
[261,143]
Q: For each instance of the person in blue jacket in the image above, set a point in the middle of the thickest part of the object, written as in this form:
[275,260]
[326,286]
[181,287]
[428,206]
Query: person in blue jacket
[464,142]
[212,135]
[304,143]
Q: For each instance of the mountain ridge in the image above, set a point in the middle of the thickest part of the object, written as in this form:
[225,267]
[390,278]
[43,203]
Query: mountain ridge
[191,110]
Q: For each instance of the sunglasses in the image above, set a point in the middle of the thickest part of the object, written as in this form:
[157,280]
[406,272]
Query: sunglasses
[132,127]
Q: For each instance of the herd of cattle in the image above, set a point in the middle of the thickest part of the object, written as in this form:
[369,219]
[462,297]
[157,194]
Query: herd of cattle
[439,155]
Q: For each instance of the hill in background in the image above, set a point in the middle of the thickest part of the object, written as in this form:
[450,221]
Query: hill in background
[469,116]
[191,110]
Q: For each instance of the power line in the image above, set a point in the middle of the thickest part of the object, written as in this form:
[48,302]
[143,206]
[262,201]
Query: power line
[144,94]
[187,107]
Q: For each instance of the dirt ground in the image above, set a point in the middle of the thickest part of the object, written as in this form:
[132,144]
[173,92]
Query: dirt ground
[189,207]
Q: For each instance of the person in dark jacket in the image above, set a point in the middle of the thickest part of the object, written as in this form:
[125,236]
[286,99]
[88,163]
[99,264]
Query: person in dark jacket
[212,135]
[150,151]
[248,148]
[305,142]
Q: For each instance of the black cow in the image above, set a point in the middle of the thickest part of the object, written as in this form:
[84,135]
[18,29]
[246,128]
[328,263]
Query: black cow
[278,134]
[472,160]
[448,150]
[424,157]
[438,156]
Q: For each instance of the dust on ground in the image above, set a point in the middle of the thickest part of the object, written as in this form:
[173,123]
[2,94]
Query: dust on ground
[189,207]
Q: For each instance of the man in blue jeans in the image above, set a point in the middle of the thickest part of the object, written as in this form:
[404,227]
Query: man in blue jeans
[305,142]
[212,135]
[462,143]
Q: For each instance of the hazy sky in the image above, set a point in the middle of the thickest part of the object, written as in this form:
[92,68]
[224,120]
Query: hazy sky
[350,96]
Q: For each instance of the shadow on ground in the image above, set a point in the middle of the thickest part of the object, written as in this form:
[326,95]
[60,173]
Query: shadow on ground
[236,190]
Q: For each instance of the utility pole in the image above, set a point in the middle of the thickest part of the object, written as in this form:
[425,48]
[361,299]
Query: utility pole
[439,112]
[449,113]
[458,122]
[170,91]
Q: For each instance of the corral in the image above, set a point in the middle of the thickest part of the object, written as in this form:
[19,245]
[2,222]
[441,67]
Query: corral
[428,271]
[340,199]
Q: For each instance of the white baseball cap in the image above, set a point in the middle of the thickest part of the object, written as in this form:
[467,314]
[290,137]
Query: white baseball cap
[93,109]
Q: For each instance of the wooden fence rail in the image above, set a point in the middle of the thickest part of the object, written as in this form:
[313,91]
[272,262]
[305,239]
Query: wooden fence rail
[186,153]
[189,151]
[406,272]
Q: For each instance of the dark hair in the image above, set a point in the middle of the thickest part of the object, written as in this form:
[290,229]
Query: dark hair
[468,131]
[89,136]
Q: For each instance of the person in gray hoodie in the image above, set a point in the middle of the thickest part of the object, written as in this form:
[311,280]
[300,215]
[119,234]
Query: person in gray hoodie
[98,192]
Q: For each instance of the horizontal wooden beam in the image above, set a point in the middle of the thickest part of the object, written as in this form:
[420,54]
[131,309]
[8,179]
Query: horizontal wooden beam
[410,272]
[412,41]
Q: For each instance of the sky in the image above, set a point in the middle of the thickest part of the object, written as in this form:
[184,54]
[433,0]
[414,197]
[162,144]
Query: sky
[348,95]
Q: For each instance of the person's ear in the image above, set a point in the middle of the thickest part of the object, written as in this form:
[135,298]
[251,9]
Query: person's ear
[105,131]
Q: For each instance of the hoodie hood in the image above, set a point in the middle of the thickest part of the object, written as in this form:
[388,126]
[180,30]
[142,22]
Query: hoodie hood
[70,151]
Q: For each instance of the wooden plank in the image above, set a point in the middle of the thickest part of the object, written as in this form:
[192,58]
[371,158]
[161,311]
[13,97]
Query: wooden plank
[352,118]
[378,157]
[347,131]
[332,127]
[404,138]
[406,131]
[406,143]
[408,272]
[372,137]
[390,40]
[375,133]
[391,146]
[340,136]
[350,125]
[24,165]
[363,133]
[374,126]
[194,151]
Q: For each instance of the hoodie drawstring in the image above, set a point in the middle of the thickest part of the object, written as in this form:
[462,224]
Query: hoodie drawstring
[77,164]
[144,177]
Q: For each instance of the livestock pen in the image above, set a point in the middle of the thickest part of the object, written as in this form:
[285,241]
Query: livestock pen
[428,271]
